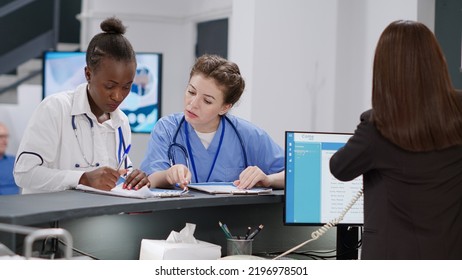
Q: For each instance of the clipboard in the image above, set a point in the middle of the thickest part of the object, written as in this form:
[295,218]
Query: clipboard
[227,188]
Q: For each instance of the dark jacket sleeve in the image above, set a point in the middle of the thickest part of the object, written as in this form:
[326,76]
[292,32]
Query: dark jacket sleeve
[355,158]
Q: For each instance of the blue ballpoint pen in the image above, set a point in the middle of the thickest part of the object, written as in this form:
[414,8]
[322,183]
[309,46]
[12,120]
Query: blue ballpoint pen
[124,156]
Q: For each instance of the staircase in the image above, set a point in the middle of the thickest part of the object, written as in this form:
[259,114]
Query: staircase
[29,72]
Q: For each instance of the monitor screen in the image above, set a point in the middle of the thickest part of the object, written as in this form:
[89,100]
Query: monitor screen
[65,71]
[313,196]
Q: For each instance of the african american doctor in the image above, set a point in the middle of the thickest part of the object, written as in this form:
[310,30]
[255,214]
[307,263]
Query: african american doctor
[80,136]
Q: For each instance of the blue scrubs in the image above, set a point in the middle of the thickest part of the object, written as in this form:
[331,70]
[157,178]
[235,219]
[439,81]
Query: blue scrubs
[7,184]
[261,150]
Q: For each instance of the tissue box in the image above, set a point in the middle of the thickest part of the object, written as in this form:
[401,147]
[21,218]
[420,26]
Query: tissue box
[163,250]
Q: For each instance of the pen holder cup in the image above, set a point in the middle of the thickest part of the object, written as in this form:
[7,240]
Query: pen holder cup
[239,247]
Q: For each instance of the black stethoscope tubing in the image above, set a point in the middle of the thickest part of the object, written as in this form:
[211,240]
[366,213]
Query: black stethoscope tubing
[74,127]
[90,121]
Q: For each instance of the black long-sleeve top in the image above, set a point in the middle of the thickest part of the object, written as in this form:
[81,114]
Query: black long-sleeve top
[412,200]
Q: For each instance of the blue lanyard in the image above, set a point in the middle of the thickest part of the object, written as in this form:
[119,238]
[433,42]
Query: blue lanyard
[188,144]
[121,146]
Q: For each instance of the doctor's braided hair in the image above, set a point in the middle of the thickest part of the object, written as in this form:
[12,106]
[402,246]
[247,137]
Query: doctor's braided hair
[111,43]
[224,72]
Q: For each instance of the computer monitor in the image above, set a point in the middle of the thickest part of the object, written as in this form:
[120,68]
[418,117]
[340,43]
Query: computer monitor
[313,196]
[64,70]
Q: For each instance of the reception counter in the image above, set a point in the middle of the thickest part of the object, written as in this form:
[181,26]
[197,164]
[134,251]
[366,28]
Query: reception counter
[110,227]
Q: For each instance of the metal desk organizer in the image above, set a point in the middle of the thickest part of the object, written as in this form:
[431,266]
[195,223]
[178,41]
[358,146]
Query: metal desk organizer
[34,234]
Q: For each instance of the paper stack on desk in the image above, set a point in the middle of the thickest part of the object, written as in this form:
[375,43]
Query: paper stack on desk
[226,188]
[144,192]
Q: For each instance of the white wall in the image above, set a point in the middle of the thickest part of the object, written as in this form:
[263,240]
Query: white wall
[360,23]
[310,61]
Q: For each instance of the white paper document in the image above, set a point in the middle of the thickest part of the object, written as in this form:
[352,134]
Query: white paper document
[144,192]
[226,188]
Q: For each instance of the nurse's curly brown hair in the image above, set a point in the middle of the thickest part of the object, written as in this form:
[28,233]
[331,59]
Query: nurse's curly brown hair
[225,73]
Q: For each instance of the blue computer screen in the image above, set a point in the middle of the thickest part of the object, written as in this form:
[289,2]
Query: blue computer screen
[312,194]
[64,70]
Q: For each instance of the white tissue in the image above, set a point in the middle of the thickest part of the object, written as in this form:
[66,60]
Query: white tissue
[179,246]
[186,235]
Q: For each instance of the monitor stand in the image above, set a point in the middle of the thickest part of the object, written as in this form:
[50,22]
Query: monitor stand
[347,242]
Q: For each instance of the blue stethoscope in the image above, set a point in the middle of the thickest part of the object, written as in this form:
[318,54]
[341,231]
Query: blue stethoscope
[187,151]
[91,163]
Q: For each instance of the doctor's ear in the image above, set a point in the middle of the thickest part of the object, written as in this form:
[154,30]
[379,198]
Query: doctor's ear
[87,74]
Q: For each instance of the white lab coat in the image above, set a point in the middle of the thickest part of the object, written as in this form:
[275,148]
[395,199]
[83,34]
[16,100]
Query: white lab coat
[49,152]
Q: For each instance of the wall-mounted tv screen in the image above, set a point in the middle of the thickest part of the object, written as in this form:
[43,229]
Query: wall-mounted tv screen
[65,71]
[313,196]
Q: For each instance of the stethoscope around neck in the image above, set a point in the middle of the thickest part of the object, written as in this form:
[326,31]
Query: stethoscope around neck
[91,163]
[186,151]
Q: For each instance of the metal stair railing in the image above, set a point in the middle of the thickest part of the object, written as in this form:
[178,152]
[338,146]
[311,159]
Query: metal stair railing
[33,234]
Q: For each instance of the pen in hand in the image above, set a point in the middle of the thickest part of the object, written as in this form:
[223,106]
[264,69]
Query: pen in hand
[124,157]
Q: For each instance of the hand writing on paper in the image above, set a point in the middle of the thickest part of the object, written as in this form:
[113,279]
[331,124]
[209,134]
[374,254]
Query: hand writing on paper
[136,180]
[103,178]
[179,175]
